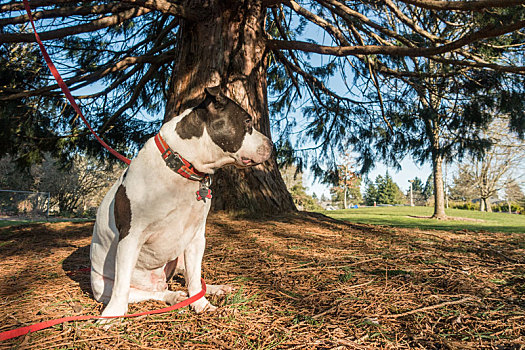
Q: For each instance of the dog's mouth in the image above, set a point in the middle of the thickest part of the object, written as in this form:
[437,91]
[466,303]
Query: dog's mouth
[246,162]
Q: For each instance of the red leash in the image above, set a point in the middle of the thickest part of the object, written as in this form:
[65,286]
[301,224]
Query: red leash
[46,324]
[42,325]
[65,89]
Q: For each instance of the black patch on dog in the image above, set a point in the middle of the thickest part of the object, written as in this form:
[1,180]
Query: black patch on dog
[190,126]
[122,212]
[227,123]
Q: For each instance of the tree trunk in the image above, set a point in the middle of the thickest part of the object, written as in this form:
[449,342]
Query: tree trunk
[484,204]
[439,193]
[228,49]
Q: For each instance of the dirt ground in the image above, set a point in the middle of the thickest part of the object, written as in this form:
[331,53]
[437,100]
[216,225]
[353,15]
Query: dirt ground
[302,281]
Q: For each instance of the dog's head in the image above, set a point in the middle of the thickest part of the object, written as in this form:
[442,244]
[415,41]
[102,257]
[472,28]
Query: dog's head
[230,129]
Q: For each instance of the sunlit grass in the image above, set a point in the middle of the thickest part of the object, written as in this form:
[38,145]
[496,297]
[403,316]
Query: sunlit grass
[407,217]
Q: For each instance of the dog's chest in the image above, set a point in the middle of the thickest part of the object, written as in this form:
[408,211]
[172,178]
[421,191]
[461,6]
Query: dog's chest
[167,237]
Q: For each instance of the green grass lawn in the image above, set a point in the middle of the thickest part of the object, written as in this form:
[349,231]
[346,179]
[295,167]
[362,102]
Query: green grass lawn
[401,217]
[5,223]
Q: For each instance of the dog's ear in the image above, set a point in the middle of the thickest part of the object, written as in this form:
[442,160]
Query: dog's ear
[216,95]
[213,91]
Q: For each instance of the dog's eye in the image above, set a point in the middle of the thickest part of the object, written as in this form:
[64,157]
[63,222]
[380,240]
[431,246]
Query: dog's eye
[248,125]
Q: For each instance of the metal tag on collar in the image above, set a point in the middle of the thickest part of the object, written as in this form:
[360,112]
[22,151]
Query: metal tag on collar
[204,189]
[173,160]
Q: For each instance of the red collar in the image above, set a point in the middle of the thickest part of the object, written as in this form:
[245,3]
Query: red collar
[175,161]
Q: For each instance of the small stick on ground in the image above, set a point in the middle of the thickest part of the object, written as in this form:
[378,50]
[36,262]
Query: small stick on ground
[432,307]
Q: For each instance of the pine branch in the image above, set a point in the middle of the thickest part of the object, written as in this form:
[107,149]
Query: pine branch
[19,6]
[410,23]
[315,83]
[283,35]
[353,18]
[136,93]
[321,22]
[92,26]
[92,77]
[483,33]
[66,12]
[168,7]
[463,5]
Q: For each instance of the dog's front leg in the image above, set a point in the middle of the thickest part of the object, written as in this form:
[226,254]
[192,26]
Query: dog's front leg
[125,261]
[193,262]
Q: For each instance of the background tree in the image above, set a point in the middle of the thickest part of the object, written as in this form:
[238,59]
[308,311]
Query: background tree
[438,113]
[418,190]
[303,200]
[348,183]
[74,187]
[142,55]
[490,171]
[352,193]
[27,124]
[513,193]
[383,191]
[428,191]
[370,196]
[388,191]
[463,186]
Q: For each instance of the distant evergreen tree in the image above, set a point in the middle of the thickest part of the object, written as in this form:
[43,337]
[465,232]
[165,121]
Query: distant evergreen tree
[429,187]
[383,191]
[417,185]
[370,193]
[418,191]
[388,191]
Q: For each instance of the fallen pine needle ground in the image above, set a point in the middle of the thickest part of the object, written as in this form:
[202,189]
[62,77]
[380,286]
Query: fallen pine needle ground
[302,281]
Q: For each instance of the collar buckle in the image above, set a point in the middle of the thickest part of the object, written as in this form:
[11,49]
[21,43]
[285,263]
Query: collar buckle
[173,160]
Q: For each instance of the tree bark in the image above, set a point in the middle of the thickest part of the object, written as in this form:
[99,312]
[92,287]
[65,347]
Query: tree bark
[227,48]
[484,204]
[439,193]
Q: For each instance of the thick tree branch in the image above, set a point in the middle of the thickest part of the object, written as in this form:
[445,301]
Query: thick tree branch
[462,5]
[67,11]
[91,77]
[164,6]
[483,33]
[95,25]
[19,5]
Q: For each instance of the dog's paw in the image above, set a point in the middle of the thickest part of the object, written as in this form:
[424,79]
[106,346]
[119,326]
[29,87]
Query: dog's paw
[218,289]
[107,323]
[173,298]
[112,311]
[203,305]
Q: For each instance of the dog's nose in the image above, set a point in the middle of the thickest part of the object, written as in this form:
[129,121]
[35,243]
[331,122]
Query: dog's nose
[265,149]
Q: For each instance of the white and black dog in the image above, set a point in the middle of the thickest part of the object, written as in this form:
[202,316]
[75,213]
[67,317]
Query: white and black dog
[151,223]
